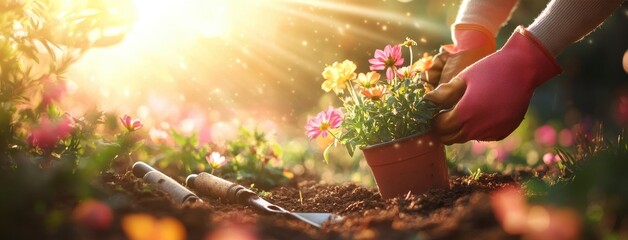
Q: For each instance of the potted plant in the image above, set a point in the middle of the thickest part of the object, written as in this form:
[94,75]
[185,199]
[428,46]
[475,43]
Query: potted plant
[388,119]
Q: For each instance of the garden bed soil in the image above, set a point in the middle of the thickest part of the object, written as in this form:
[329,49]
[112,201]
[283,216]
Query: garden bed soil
[462,212]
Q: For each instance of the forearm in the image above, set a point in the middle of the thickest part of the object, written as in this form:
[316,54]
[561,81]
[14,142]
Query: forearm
[490,14]
[564,22]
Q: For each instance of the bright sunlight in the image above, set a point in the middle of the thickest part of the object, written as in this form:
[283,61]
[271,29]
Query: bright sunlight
[208,55]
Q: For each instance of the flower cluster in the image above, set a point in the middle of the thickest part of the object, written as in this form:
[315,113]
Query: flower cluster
[49,133]
[375,111]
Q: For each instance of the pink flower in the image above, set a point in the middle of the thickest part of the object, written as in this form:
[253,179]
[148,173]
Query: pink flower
[390,58]
[131,124]
[48,134]
[215,160]
[319,125]
[565,138]
[550,158]
[545,135]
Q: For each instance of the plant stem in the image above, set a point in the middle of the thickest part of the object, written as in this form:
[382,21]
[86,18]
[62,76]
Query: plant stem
[357,100]
[410,47]
[332,134]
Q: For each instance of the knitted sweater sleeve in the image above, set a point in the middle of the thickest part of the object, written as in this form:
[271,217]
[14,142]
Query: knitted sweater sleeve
[564,22]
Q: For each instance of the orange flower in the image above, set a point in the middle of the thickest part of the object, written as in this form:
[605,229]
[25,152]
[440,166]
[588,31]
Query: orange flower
[374,93]
[146,227]
[423,64]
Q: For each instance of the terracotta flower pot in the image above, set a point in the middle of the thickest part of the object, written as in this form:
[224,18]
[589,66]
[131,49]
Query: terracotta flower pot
[412,164]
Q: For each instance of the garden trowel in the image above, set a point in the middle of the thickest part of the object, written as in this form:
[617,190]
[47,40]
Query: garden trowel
[207,184]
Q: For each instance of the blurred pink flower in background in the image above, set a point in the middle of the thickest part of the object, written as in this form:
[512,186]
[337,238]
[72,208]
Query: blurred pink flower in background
[550,158]
[223,131]
[533,221]
[565,137]
[233,227]
[622,110]
[501,153]
[204,134]
[511,143]
[215,160]
[48,133]
[158,136]
[390,58]
[550,223]
[53,90]
[478,147]
[545,135]
[93,214]
[131,124]
[325,120]
[510,209]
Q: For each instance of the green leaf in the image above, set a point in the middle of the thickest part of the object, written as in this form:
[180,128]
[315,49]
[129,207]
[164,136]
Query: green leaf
[326,153]
[350,146]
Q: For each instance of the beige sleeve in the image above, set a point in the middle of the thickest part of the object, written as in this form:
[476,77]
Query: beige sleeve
[564,22]
[490,14]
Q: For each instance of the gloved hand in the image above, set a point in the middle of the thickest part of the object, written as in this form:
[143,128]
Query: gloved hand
[491,96]
[471,43]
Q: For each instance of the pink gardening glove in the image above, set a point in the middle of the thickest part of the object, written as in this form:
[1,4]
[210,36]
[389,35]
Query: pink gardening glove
[491,96]
[471,43]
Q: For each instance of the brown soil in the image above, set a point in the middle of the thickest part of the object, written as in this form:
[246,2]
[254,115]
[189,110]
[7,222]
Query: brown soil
[462,212]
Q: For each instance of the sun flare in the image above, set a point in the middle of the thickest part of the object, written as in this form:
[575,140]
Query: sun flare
[234,56]
[176,18]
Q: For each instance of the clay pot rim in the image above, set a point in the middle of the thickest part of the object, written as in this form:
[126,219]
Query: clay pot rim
[394,141]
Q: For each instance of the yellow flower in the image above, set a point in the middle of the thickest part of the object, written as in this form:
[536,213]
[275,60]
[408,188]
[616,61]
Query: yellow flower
[423,64]
[337,75]
[409,42]
[369,79]
[374,93]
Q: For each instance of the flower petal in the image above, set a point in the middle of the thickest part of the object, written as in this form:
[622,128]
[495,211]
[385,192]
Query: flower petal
[380,54]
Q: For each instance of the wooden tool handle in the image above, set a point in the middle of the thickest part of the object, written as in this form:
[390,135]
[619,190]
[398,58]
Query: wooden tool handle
[210,185]
[177,192]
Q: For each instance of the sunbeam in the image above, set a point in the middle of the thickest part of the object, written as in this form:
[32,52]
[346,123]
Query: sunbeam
[238,57]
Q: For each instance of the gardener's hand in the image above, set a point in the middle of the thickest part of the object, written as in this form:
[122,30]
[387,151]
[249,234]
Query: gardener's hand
[490,97]
[471,43]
